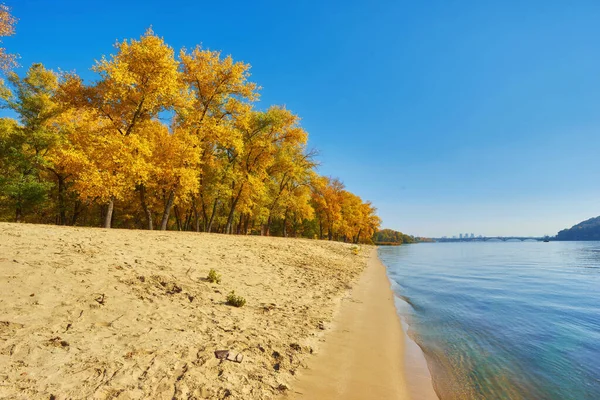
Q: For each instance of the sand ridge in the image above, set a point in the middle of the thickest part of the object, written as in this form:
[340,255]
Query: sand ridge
[118,314]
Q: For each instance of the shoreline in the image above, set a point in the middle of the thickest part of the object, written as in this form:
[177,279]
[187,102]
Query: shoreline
[367,354]
[136,306]
[418,375]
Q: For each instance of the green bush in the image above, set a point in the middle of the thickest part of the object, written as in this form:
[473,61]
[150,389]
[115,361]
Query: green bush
[213,277]
[236,301]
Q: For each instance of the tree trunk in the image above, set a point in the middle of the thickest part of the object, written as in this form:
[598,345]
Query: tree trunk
[62,207]
[196,217]
[228,226]
[77,208]
[358,236]
[239,227]
[177,218]
[246,224]
[229,221]
[204,214]
[212,216]
[167,211]
[18,214]
[188,220]
[320,229]
[268,226]
[147,211]
[109,213]
[285,225]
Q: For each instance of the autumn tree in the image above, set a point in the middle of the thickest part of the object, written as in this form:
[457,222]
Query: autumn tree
[327,201]
[263,135]
[358,218]
[221,95]
[7,28]
[166,139]
[136,85]
[173,170]
[288,185]
[369,223]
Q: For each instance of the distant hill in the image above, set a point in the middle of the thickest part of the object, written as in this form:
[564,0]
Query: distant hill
[586,230]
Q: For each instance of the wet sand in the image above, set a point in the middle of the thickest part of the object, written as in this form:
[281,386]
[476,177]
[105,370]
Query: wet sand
[418,376]
[365,355]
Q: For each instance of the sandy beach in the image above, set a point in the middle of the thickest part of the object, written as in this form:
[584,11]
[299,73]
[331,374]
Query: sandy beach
[366,354]
[93,313]
[361,358]
[118,314]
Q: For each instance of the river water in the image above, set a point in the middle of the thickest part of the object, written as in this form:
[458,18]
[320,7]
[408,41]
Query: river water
[503,320]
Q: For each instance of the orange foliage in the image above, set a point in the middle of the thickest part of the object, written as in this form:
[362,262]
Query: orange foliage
[156,134]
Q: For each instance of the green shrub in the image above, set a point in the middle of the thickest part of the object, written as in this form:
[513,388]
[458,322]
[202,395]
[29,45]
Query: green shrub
[236,301]
[213,277]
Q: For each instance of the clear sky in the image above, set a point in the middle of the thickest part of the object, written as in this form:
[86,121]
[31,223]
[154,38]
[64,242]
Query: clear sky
[450,116]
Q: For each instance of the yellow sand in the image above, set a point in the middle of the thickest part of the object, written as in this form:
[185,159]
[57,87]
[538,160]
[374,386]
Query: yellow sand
[364,355]
[92,313]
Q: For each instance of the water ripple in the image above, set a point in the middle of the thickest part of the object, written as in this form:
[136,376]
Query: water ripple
[504,320]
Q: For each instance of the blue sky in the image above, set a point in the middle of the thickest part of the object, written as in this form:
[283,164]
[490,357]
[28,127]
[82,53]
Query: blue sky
[450,116]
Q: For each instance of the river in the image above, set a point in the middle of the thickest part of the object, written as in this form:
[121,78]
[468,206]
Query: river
[503,320]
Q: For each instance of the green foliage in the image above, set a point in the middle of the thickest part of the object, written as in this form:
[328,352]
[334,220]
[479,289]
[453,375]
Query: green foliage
[389,236]
[421,239]
[23,146]
[24,192]
[213,276]
[21,188]
[234,300]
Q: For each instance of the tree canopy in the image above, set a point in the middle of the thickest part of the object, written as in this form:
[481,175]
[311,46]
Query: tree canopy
[7,28]
[169,140]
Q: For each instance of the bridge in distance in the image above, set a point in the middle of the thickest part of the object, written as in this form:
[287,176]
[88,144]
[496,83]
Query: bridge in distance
[492,238]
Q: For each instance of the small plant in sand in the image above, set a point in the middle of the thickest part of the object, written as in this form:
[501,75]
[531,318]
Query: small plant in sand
[213,277]
[234,300]
[355,250]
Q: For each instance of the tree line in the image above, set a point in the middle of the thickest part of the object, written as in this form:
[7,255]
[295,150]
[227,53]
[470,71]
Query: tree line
[392,237]
[165,141]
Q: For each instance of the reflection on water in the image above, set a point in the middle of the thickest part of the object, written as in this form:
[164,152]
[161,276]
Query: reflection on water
[504,320]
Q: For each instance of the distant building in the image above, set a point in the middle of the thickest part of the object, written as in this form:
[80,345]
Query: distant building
[460,235]
[472,236]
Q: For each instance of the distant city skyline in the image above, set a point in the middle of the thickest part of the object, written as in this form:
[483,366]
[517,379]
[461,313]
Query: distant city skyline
[470,236]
